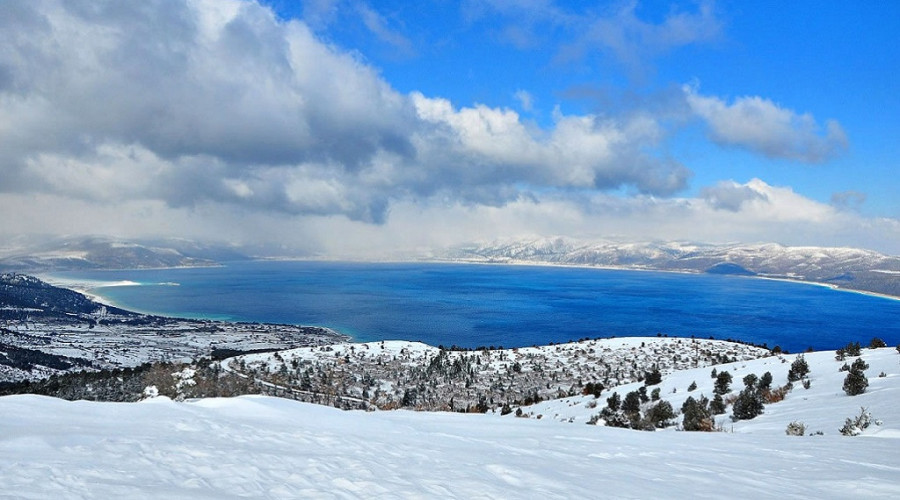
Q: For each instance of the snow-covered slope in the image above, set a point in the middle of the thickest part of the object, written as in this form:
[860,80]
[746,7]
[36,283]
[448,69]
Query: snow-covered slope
[262,447]
[851,268]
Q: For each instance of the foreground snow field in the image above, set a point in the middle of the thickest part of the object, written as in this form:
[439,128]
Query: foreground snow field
[261,447]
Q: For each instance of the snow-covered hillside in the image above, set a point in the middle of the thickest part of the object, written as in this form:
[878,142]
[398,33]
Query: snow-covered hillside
[263,447]
[391,374]
[850,268]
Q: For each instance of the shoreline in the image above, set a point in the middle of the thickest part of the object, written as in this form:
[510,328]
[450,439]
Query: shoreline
[785,279]
[85,287]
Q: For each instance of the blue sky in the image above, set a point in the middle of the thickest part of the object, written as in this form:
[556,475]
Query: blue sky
[837,60]
[339,127]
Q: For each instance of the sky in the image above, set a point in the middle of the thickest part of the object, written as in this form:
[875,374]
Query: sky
[354,128]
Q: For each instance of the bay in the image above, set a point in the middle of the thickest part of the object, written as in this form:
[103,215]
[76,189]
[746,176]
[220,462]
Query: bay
[497,305]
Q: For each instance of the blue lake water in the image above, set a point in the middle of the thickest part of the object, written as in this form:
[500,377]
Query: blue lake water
[512,306]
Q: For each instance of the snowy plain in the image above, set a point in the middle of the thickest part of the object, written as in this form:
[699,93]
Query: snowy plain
[262,447]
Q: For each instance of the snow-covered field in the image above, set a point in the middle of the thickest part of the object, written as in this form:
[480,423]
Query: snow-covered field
[262,447]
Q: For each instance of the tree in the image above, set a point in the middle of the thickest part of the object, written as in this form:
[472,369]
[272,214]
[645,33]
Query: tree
[852,349]
[653,377]
[799,369]
[693,386]
[859,365]
[697,416]
[592,388]
[876,343]
[717,406]
[660,415]
[723,383]
[855,383]
[750,380]
[748,404]
[765,382]
[632,403]
[613,402]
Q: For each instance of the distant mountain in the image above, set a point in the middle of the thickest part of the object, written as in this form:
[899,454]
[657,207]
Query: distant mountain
[107,253]
[849,268]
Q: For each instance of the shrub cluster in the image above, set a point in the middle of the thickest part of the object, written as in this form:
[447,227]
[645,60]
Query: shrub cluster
[854,426]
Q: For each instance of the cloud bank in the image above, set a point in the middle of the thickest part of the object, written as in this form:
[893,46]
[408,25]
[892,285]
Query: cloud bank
[216,119]
[762,126]
[190,102]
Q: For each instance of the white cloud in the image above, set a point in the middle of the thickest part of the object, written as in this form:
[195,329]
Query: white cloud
[762,126]
[526,100]
[221,102]
[633,41]
[217,120]
[379,26]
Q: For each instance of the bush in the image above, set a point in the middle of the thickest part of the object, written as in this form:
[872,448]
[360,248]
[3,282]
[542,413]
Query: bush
[876,343]
[765,381]
[654,394]
[693,386]
[592,388]
[854,426]
[855,383]
[748,405]
[795,428]
[776,395]
[799,369]
[852,349]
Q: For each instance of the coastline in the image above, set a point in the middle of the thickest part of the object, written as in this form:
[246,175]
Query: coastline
[86,287]
[514,262]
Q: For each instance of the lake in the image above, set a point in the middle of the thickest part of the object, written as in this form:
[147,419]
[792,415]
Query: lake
[497,305]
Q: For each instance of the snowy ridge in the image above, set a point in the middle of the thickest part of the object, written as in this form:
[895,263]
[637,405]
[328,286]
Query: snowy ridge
[275,448]
[393,374]
[850,268]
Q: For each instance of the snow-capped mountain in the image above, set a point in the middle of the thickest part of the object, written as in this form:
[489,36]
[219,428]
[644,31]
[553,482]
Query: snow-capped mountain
[850,268]
[94,252]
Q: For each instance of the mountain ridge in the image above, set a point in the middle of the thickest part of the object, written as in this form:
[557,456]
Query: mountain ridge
[841,267]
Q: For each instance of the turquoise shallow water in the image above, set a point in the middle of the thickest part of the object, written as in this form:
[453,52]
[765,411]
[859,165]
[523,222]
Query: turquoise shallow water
[484,305]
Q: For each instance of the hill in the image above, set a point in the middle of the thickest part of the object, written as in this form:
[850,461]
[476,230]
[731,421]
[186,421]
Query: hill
[849,268]
[255,446]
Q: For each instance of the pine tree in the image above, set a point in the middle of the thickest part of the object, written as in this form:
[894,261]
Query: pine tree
[799,369]
[855,383]
[723,383]
[653,377]
[748,404]
[717,406]
[696,413]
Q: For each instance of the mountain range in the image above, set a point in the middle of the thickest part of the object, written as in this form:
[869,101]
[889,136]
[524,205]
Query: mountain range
[841,267]
[849,268]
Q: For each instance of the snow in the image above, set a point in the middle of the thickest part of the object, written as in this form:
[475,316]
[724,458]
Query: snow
[264,447]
